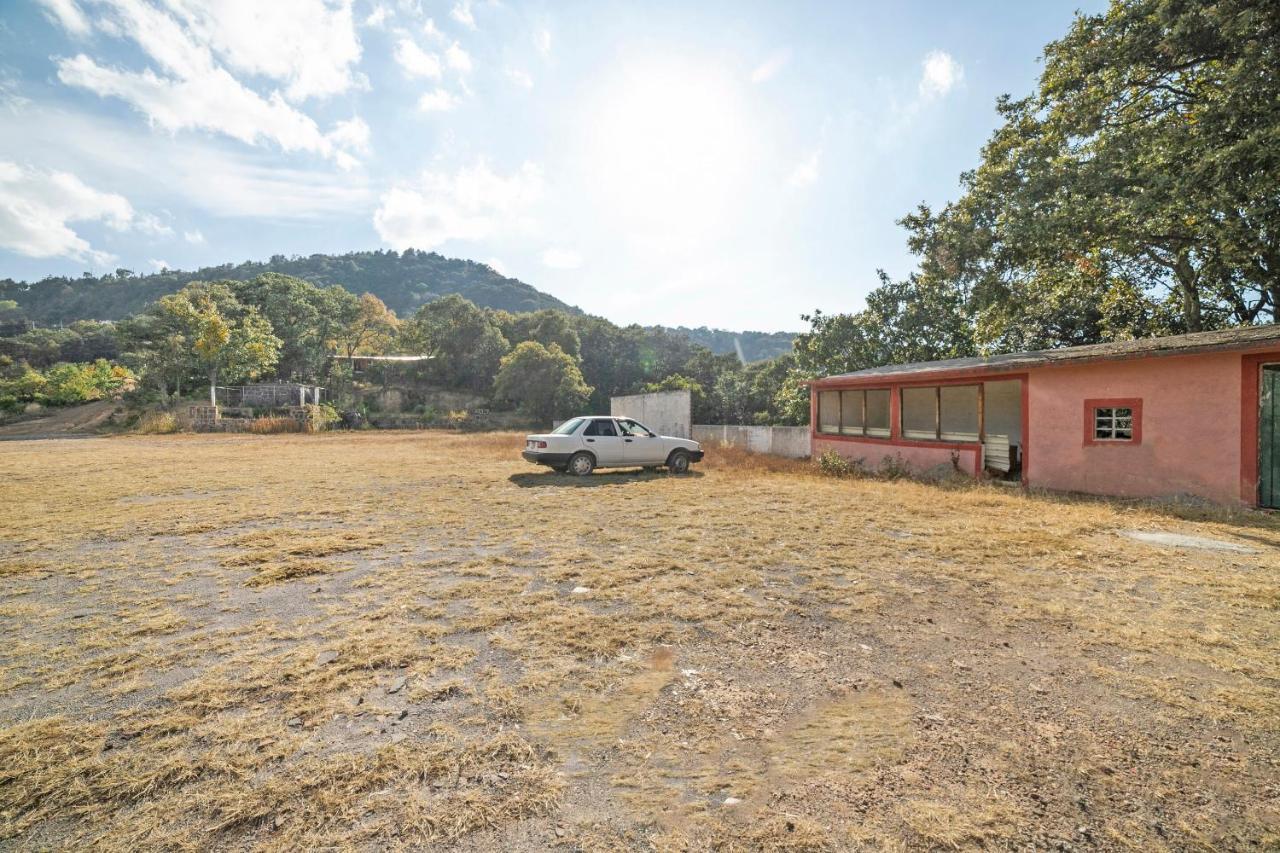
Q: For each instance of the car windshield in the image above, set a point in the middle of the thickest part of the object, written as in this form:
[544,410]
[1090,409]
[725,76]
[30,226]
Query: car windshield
[569,427]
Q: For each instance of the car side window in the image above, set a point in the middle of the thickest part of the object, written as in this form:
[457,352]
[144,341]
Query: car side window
[600,428]
[630,427]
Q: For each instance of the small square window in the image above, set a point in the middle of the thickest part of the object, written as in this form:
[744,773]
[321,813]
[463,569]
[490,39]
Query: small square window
[1113,423]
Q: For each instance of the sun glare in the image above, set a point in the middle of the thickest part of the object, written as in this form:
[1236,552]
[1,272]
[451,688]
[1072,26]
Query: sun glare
[670,147]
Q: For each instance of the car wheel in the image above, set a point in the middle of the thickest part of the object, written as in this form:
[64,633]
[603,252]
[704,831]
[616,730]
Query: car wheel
[581,464]
[678,463]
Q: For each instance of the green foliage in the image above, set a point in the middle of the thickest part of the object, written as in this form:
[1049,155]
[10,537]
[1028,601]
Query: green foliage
[832,464]
[752,346]
[465,341]
[201,332]
[62,384]
[544,382]
[404,281]
[1132,194]
[320,417]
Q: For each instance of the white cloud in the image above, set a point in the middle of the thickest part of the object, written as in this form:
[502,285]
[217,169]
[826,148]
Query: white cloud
[437,100]
[193,91]
[771,66]
[195,237]
[561,259]
[459,60]
[497,266]
[431,31]
[310,46]
[415,61]
[36,207]
[806,171]
[542,40]
[151,225]
[940,74]
[159,265]
[68,15]
[378,16]
[470,204]
[461,13]
[520,78]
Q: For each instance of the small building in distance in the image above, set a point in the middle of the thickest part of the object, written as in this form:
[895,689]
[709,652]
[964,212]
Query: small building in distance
[1195,414]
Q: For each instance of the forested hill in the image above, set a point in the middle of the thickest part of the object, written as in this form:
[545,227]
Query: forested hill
[751,346]
[404,281]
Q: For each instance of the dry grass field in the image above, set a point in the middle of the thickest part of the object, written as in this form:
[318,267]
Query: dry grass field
[379,641]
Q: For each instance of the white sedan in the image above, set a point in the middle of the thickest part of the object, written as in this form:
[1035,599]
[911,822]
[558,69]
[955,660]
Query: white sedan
[581,445]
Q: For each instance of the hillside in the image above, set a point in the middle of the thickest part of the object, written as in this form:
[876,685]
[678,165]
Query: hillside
[404,281]
[751,346]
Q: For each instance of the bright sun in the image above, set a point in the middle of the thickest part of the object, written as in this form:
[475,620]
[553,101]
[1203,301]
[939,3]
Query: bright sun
[670,147]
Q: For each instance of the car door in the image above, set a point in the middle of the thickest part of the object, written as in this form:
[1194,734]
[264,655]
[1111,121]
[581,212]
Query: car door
[601,438]
[640,444]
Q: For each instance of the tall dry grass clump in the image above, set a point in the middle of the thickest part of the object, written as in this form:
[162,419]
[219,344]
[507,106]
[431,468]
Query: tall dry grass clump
[157,423]
[274,425]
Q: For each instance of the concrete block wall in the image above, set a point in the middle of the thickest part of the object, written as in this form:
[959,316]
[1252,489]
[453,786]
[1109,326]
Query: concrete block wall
[789,441]
[664,412]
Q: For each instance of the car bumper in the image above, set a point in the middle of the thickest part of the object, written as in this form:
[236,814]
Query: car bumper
[695,455]
[538,457]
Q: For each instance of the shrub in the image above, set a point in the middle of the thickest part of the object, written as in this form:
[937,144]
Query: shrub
[894,467]
[459,419]
[272,425]
[157,423]
[832,464]
[321,417]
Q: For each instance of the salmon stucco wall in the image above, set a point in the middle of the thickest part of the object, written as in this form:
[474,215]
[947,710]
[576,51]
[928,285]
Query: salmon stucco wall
[920,459]
[1190,428]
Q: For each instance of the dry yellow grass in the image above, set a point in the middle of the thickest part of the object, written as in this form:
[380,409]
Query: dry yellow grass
[398,640]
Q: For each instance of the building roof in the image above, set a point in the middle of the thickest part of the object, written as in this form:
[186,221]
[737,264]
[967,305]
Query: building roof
[1246,337]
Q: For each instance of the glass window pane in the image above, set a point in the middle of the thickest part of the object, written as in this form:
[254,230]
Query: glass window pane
[829,411]
[851,412]
[878,412]
[960,412]
[919,406]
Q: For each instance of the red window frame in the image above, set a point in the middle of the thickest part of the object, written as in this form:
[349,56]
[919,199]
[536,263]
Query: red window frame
[1132,403]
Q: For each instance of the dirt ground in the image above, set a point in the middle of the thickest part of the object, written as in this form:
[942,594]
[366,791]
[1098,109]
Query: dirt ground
[377,641]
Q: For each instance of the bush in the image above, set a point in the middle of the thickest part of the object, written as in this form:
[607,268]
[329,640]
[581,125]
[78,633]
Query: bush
[157,423]
[272,425]
[321,417]
[832,464]
[894,467]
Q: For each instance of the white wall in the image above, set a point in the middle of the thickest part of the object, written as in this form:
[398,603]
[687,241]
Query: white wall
[664,412]
[787,441]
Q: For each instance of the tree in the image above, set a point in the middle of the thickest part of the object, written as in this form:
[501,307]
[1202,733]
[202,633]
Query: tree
[203,328]
[547,327]
[543,381]
[365,325]
[466,344]
[298,313]
[1133,192]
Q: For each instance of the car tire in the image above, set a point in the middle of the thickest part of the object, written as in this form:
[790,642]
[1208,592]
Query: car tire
[581,464]
[678,462]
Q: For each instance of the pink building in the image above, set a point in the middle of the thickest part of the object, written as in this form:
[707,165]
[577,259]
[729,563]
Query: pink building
[1182,415]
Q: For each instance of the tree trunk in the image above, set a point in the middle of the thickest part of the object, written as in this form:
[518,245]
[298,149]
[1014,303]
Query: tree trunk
[213,385]
[1188,287]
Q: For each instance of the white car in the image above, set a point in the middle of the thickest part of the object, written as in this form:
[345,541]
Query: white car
[581,445]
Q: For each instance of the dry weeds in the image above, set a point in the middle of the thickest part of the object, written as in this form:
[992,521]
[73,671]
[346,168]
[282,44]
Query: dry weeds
[384,641]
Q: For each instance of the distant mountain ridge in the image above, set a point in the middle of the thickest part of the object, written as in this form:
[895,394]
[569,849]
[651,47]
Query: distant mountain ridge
[403,280]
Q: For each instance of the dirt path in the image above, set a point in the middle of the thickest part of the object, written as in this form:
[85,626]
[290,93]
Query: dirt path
[69,422]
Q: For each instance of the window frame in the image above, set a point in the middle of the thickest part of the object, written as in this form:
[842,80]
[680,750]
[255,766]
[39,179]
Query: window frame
[880,433]
[1091,407]
[939,435]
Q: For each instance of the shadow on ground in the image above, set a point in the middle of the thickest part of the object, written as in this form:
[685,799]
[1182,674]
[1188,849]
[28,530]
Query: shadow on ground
[552,479]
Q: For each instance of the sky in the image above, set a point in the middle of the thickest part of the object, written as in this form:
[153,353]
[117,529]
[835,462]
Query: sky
[727,164]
